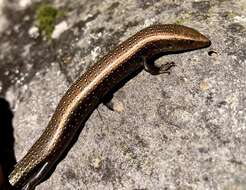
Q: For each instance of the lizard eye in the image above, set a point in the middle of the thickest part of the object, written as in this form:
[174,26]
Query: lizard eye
[190,41]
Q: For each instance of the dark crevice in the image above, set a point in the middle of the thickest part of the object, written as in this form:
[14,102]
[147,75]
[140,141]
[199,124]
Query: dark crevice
[7,155]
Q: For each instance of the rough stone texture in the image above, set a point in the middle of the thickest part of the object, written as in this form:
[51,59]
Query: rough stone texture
[186,130]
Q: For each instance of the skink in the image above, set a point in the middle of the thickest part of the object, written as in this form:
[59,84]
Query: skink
[86,93]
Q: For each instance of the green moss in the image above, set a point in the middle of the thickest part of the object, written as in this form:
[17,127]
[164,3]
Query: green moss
[231,15]
[180,21]
[46,18]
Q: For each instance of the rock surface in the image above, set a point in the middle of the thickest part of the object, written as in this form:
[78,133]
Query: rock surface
[186,130]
